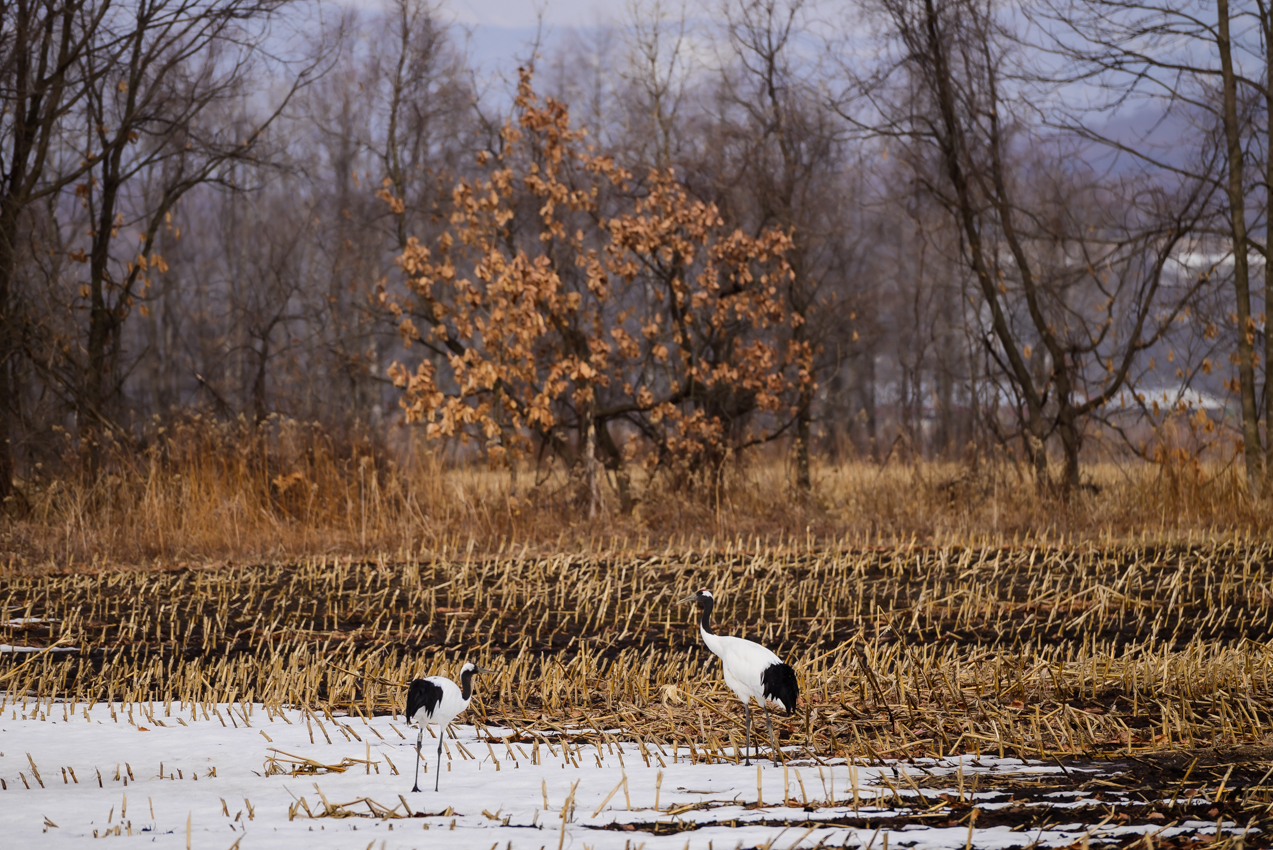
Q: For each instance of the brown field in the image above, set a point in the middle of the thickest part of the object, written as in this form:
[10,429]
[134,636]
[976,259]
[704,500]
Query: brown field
[1152,660]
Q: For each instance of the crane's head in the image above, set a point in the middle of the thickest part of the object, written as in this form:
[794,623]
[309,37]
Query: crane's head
[472,669]
[703,599]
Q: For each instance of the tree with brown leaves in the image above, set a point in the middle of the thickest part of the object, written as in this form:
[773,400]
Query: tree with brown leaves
[573,307]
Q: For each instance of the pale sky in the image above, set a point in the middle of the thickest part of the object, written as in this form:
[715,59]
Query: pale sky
[518,14]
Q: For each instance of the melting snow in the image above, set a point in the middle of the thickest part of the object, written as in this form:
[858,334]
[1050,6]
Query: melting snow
[156,772]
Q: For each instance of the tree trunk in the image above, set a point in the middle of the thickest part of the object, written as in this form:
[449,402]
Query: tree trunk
[1266,22]
[623,481]
[258,382]
[1268,328]
[867,395]
[1037,453]
[1071,444]
[944,442]
[102,325]
[1251,446]
[8,351]
[803,434]
[904,400]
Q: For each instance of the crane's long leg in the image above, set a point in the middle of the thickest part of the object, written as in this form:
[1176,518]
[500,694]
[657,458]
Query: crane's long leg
[770,727]
[747,752]
[438,778]
[416,787]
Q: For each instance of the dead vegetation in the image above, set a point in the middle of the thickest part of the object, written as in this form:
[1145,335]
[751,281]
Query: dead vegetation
[199,491]
[1030,651]
[1140,669]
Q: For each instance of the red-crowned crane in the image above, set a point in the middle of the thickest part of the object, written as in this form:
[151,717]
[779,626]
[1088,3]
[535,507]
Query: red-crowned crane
[750,669]
[436,699]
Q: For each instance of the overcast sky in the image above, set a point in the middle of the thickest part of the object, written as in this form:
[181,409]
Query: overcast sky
[518,14]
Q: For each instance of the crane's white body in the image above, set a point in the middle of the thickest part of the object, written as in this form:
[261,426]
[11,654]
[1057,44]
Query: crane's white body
[452,705]
[743,663]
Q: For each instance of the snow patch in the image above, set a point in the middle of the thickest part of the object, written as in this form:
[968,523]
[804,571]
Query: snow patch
[231,771]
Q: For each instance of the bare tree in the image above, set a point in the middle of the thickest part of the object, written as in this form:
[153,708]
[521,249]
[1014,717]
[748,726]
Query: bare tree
[279,308]
[42,44]
[658,72]
[786,152]
[1042,269]
[1195,63]
[155,126]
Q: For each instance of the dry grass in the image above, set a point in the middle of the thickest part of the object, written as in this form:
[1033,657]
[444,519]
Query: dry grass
[1030,651]
[284,490]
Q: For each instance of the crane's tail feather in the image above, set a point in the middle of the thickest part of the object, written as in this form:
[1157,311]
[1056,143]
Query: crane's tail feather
[779,683]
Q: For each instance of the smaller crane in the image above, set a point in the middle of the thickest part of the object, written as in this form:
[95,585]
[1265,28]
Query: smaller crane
[750,669]
[436,699]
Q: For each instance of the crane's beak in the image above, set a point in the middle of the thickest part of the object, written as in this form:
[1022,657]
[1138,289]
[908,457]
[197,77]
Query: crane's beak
[485,670]
[691,598]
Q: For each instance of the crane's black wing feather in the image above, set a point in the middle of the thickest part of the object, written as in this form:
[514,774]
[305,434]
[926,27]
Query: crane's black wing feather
[779,683]
[422,694]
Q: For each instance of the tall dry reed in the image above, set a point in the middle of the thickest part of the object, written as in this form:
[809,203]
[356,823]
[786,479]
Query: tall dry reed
[199,490]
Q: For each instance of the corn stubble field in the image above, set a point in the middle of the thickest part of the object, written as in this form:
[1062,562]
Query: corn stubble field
[1137,674]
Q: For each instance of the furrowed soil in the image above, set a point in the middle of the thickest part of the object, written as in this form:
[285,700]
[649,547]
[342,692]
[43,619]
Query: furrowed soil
[1141,672]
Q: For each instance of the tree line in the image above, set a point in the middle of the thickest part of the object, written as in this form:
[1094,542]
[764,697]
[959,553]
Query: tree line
[941,228]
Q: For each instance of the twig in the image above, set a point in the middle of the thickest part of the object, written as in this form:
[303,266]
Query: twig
[870,675]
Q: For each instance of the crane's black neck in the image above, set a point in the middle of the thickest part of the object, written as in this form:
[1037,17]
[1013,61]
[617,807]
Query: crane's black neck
[466,685]
[705,621]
